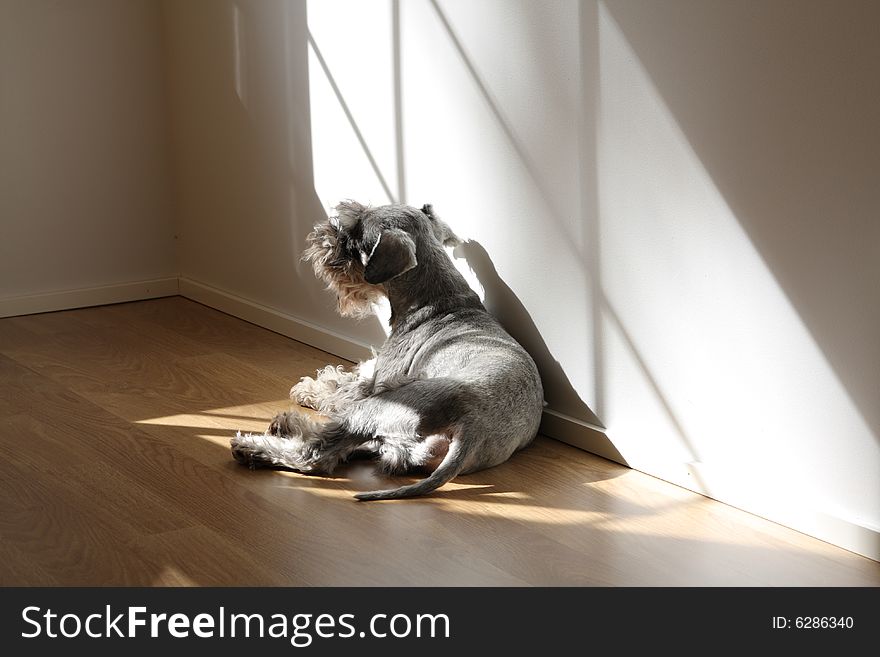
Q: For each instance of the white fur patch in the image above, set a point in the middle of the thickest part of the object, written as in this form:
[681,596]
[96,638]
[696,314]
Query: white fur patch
[366,258]
[367,369]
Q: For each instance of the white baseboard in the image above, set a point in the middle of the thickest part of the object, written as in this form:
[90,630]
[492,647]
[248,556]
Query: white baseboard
[578,433]
[85,297]
[769,501]
[274,320]
[711,482]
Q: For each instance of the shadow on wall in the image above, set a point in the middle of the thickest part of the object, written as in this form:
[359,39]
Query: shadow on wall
[504,304]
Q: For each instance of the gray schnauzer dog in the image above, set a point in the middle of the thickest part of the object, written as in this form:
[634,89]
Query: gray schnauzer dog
[450,392]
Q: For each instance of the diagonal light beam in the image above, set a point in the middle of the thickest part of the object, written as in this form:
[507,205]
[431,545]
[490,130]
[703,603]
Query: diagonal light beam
[351,121]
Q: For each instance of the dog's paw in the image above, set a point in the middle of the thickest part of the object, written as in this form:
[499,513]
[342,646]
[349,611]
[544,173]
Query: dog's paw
[268,451]
[251,450]
[304,393]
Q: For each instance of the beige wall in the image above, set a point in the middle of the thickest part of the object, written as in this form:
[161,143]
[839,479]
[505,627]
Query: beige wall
[84,187]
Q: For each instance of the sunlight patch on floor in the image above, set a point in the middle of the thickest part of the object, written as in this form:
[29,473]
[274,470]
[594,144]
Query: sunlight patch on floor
[263,411]
[251,417]
[171,576]
[222,441]
[200,421]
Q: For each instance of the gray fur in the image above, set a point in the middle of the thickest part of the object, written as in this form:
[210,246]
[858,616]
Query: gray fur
[450,392]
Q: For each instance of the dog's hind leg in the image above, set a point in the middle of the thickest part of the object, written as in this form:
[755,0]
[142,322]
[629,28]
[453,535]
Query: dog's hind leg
[409,423]
[297,442]
[453,464]
[421,424]
[333,388]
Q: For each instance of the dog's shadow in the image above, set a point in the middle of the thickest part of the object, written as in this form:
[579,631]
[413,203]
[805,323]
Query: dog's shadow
[501,301]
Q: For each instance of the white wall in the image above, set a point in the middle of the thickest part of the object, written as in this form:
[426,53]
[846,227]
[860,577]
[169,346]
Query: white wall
[84,187]
[677,210]
[738,194]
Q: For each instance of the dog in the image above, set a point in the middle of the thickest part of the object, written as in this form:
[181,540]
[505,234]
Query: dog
[450,392]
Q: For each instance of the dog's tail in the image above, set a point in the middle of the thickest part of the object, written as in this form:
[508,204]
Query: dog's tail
[451,465]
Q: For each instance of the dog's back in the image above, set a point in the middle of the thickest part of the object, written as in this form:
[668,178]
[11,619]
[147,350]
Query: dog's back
[486,387]
[488,376]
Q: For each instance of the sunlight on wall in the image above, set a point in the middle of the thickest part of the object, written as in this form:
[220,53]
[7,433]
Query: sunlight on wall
[490,123]
[705,373]
[747,392]
[352,101]
[353,118]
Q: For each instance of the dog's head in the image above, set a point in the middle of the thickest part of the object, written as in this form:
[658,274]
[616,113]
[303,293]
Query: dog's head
[361,248]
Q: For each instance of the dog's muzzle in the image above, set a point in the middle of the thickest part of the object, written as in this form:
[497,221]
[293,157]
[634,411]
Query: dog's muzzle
[342,274]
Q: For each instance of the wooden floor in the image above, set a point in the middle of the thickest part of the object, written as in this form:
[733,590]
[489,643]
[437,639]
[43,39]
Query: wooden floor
[115,426]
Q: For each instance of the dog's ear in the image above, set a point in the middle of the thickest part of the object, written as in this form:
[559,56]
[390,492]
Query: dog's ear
[349,214]
[441,229]
[393,254]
